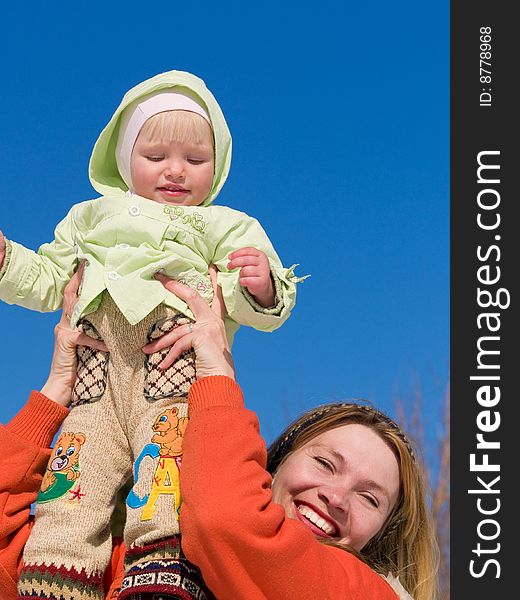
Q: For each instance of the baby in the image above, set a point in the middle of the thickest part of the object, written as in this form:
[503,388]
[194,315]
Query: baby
[159,164]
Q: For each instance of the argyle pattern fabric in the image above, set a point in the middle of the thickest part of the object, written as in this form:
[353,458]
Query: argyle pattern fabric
[177,379]
[91,377]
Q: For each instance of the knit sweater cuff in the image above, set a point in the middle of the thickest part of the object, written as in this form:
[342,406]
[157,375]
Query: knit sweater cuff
[39,420]
[216,390]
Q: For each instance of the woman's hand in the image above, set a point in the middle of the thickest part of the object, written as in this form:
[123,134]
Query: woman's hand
[62,375]
[206,335]
[2,249]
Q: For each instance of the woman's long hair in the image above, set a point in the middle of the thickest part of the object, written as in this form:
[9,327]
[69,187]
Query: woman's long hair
[406,545]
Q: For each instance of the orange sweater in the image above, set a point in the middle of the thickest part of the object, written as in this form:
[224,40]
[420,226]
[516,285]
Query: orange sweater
[244,545]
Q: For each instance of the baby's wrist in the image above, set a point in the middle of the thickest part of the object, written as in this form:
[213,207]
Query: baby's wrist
[265,299]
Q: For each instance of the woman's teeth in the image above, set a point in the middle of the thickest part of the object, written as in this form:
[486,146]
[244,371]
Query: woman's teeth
[308,513]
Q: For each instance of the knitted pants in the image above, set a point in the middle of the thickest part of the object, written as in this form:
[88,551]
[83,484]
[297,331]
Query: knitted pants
[127,420]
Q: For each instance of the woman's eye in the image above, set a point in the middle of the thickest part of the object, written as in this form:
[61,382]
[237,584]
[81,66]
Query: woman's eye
[324,463]
[372,500]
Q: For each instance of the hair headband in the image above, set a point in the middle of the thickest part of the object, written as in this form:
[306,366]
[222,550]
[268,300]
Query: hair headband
[285,445]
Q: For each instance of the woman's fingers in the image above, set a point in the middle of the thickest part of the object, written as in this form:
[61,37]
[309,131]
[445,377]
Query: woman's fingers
[167,339]
[198,306]
[70,294]
[84,340]
[212,354]
[62,373]
[75,281]
[218,305]
[207,336]
[68,339]
[176,350]
[193,299]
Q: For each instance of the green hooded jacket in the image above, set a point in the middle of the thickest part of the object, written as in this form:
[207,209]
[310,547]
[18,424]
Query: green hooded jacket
[126,238]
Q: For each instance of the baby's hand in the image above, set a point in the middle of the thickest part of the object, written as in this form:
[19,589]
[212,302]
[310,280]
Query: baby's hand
[255,274]
[2,249]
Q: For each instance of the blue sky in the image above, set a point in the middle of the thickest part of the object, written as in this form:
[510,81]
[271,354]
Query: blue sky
[339,114]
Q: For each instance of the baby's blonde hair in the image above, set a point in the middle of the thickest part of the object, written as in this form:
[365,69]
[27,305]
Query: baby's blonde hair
[179,126]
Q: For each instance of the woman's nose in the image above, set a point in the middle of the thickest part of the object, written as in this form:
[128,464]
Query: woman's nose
[334,496]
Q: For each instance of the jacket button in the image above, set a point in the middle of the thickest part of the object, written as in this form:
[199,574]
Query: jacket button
[123,246]
[113,275]
[134,211]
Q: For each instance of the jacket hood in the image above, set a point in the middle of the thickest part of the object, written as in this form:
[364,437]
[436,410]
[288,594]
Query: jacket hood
[103,172]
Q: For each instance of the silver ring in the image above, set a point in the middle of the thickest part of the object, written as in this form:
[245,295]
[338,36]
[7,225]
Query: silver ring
[191,327]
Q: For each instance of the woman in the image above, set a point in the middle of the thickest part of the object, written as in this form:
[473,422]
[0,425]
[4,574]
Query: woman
[346,489]
[346,486]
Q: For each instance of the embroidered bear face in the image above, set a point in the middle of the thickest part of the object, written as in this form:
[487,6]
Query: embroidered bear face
[64,457]
[166,421]
[169,430]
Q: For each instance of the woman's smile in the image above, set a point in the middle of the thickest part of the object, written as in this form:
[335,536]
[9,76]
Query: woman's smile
[342,484]
[318,523]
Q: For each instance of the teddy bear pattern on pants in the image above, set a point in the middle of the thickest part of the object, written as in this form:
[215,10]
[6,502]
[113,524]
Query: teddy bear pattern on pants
[127,419]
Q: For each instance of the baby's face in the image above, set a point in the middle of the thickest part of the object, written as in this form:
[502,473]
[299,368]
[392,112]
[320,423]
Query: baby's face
[176,173]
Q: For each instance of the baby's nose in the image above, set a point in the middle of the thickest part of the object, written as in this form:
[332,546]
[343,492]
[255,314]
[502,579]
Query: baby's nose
[174,169]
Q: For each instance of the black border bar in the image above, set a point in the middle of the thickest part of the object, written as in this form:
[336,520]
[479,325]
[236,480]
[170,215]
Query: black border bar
[485,251]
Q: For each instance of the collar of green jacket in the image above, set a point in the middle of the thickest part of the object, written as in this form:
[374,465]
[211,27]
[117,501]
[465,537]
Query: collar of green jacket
[103,172]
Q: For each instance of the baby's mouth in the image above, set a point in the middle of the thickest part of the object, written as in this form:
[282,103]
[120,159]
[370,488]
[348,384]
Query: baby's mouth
[172,188]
